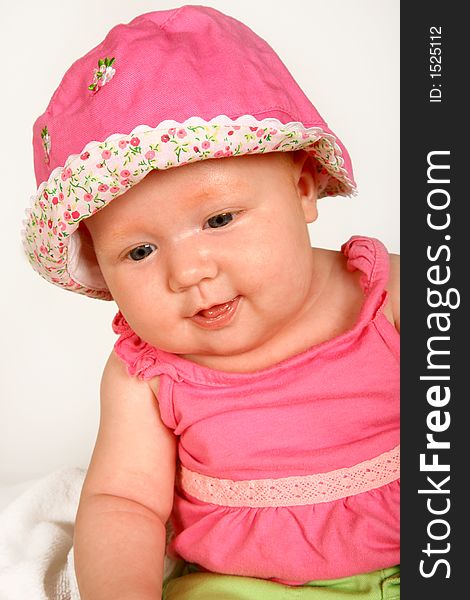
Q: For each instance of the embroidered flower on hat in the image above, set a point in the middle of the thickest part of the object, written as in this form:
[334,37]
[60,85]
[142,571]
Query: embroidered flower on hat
[104,73]
[46,143]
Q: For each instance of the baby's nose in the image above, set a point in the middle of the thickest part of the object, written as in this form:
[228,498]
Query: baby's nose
[189,264]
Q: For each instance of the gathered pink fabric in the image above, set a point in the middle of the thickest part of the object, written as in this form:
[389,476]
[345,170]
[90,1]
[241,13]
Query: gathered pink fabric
[331,410]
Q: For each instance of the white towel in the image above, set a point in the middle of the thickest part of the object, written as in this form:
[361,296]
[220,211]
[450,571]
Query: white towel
[36,535]
[36,532]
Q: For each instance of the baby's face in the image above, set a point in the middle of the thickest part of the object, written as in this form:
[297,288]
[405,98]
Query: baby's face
[213,258]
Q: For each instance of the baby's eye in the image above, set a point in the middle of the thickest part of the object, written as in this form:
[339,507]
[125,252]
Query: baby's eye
[220,220]
[141,252]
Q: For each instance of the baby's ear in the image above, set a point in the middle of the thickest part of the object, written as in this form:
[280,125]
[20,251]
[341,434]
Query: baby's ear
[83,264]
[306,184]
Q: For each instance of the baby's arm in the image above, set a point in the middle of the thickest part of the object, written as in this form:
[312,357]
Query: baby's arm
[393,287]
[119,540]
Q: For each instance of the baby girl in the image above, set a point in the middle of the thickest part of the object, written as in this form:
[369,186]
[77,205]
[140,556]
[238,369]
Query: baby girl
[251,398]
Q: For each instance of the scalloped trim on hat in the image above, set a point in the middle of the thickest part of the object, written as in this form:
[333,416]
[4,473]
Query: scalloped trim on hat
[104,170]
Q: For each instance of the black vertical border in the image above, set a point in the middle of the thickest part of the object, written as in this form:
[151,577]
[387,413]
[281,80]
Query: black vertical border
[426,127]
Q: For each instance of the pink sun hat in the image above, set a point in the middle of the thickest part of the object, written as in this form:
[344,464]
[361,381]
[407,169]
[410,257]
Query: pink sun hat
[169,88]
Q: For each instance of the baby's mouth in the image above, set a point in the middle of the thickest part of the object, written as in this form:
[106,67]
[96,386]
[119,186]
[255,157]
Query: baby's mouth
[215,310]
[217,315]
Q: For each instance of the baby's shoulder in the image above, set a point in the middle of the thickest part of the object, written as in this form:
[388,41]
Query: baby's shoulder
[342,297]
[344,285]
[117,379]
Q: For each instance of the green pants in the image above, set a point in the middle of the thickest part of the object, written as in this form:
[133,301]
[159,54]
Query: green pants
[194,585]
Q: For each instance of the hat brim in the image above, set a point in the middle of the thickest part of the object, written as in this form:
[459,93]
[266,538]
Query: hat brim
[89,181]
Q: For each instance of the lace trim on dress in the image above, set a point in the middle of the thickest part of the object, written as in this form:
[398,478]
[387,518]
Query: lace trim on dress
[293,491]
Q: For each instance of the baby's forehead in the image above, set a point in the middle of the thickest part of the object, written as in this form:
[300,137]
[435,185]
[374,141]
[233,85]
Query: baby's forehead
[220,170]
[222,178]
[200,184]
[201,181]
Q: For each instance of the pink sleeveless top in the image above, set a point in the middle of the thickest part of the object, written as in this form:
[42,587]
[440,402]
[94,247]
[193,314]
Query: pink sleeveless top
[290,473]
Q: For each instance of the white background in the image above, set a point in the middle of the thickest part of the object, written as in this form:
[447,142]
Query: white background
[344,54]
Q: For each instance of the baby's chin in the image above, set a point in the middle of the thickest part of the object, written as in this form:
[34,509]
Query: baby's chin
[234,355]
[216,351]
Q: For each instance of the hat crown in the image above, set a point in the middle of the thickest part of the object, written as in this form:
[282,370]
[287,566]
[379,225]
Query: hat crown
[168,65]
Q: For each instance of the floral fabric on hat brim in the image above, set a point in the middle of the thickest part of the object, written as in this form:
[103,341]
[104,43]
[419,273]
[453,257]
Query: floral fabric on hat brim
[104,170]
